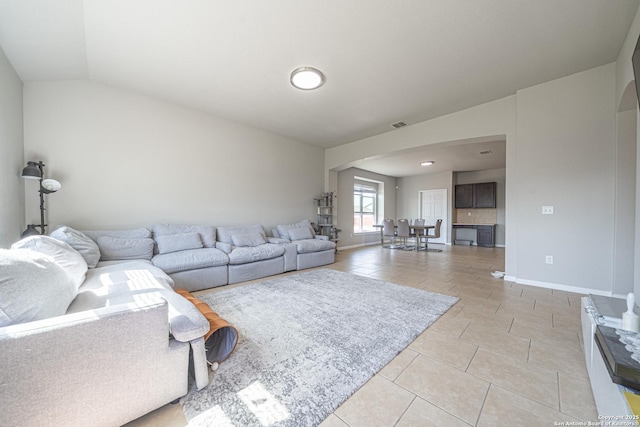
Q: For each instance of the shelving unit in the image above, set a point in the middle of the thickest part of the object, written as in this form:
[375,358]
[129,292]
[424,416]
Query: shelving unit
[326,225]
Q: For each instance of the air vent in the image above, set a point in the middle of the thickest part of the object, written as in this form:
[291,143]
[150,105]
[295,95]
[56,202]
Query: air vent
[486,152]
[399,125]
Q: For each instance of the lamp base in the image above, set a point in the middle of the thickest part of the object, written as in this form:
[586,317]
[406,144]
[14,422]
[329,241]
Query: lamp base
[31,231]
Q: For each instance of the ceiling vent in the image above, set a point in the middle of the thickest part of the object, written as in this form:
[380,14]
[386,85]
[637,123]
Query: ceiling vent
[399,125]
[486,152]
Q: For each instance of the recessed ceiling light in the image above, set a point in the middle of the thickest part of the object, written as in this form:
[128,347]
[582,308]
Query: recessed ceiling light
[307,78]
[427,163]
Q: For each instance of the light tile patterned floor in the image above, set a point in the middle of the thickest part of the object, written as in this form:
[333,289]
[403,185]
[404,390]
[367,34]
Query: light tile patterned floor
[504,355]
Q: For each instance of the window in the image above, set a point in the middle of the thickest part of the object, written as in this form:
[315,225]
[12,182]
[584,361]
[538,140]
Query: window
[364,207]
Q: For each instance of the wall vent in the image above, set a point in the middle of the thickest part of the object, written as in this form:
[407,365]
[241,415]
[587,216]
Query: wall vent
[399,125]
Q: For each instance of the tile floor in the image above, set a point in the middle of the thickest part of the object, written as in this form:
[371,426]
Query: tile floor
[504,355]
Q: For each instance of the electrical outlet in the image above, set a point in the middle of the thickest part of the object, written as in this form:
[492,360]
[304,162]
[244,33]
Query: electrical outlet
[549,259]
[547,210]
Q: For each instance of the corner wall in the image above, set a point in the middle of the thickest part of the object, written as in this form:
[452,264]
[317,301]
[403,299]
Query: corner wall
[127,160]
[11,155]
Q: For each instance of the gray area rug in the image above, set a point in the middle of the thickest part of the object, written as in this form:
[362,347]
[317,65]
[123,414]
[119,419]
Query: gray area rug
[307,342]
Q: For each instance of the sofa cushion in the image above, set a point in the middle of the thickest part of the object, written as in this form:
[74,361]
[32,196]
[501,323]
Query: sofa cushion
[178,242]
[114,248]
[225,233]
[190,260]
[32,287]
[130,233]
[244,255]
[283,230]
[251,239]
[313,245]
[80,242]
[207,232]
[299,233]
[64,255]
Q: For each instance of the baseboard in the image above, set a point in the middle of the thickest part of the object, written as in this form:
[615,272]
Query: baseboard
[359,245]
[557,286]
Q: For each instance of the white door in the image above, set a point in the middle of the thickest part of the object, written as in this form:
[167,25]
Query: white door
[433,206]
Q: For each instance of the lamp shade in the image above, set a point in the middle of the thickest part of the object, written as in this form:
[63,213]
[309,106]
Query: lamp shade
[31,171]
[50,186]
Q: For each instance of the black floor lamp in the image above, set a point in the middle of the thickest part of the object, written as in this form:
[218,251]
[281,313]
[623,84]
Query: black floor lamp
[35,170]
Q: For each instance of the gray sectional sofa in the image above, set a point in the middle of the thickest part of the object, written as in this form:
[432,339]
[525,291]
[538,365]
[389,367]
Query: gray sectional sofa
[91,331]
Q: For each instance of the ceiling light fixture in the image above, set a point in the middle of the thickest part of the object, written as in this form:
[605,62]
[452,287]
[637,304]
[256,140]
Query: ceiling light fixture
[427,163]
[307,78]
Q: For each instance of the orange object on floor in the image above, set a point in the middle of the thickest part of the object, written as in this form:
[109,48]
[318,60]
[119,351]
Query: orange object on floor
[222,337]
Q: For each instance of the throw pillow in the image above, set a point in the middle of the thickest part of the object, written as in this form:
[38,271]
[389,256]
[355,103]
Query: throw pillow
[283,230]
[66,257]
[300,234]
[178,242]
[253,239]
[33,287]
[114,249]
[80,242]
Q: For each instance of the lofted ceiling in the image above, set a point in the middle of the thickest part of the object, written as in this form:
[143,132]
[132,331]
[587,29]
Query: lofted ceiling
[384,61]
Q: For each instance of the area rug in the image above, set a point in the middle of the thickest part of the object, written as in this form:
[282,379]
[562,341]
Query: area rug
[308,341]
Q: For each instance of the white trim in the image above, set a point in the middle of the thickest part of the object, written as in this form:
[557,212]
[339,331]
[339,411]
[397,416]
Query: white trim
[359,245]
[558,286]
[500,246]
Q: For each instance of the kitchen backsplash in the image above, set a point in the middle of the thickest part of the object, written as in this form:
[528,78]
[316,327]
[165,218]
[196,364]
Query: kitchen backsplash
[475,216]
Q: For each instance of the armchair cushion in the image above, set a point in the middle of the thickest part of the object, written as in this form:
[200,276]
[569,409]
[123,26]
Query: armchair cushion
[80,242]
[178,242]
[113,248]
[63,254]
[33,287]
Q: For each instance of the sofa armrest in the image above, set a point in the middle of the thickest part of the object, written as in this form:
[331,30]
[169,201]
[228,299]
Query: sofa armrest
[112,355]
[321,237]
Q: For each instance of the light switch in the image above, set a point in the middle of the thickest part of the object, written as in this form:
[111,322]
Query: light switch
[547,210]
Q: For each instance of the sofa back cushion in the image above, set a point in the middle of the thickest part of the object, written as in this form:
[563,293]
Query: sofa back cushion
[299,234]
[80,242]
[63,254]
[250,239]
[115,249]
[131,233]
[207,232]
[283,230]
[225,233]
[178,242]
[32,287]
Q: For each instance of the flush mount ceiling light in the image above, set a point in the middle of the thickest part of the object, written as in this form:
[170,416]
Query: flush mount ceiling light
[427,163]
[307,78]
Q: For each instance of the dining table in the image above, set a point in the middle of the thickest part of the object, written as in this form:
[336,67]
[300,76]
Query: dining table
[413,228]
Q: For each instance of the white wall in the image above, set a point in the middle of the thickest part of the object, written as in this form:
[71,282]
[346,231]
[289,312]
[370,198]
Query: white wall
[625,202]
[11,155]
[410,187]
[127,160]
[566,158]
[345,205]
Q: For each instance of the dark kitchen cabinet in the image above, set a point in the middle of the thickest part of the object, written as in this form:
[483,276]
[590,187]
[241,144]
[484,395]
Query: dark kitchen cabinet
[464,196]
[486,235]
[484,195]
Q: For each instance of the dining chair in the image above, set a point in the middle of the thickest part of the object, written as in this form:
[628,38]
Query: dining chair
[418,234]
[435,235]
[404,233]
[389,230]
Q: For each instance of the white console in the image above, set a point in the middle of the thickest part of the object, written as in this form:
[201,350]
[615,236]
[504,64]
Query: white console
[608,395]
